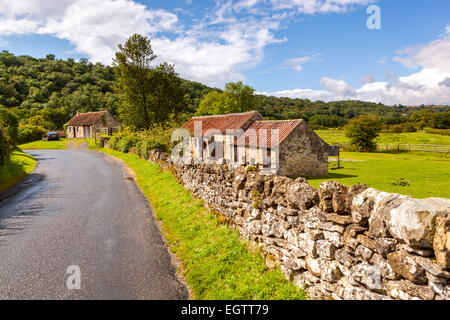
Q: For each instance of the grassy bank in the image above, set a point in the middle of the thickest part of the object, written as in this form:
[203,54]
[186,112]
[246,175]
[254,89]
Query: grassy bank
[428,173]
[217,263]
[40,144]
[20,165]
[333,136]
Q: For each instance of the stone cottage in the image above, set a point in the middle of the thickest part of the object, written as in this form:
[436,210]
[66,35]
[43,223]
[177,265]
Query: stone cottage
[85,125]
[287,147]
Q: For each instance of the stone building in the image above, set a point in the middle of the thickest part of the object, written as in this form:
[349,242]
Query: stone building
[85,125]
[287,147]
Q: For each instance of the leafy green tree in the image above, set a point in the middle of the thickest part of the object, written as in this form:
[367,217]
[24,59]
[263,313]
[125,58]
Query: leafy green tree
[423,118]
[147,94]
[441,120]
[330,121]
[237,97]
[210,104]
[362,131]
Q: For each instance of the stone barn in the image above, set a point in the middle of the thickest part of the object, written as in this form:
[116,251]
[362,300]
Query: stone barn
[286,147]
[85,125]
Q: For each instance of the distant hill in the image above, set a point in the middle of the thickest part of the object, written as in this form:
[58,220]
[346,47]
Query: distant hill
[29,84]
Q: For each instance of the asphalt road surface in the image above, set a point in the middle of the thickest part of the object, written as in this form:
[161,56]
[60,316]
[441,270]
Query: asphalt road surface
[82,209]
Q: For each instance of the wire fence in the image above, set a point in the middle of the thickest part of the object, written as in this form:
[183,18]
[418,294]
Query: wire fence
[414,147]
[408,147]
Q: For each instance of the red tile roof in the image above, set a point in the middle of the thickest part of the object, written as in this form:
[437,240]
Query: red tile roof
[86,119]
[259,134]
[232,121]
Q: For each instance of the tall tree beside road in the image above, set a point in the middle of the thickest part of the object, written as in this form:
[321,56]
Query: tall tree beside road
[147,93]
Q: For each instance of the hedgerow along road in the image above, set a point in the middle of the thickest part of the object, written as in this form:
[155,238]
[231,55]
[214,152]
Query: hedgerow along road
[82,230]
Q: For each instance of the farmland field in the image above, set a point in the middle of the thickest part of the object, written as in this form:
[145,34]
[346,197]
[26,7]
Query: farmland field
[428,174]
[333,136]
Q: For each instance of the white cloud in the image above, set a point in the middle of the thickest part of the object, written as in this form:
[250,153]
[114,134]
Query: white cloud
[213,51]
[368,79]
[297,63]
[337,87]
[306,6]
[429,85]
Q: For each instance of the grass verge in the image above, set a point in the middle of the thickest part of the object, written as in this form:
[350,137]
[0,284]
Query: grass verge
[217,264]
[428,174]
[41,144]
[19,167]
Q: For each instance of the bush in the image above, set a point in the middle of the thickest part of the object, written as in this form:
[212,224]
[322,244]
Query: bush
[398,128]
[29,133]
[144,146]
[409,127]
[444,132]
[5,149]
[127,142]
[9,124]
[115,140]
[8,134]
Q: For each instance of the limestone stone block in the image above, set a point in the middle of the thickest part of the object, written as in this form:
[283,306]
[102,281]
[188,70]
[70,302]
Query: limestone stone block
[368,275]
[325,249]
[302,195]
[405,265]
[406,290]
[314,266]
[441,242]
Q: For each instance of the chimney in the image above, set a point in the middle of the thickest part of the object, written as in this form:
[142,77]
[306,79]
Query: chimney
[78,112]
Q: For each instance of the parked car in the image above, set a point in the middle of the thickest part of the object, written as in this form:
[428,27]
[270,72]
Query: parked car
[51,136]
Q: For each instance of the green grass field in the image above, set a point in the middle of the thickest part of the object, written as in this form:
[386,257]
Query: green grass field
[428,173]
[40,144]
[20,165]
[333,136]
[217,263]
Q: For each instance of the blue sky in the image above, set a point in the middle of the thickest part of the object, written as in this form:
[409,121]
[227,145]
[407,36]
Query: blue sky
[316,49]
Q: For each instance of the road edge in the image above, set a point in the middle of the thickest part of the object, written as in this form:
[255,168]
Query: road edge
[28,180]
[173,258]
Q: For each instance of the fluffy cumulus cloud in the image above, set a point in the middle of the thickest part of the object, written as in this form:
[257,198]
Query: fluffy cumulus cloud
[428,85]
[218,46]
[213,49]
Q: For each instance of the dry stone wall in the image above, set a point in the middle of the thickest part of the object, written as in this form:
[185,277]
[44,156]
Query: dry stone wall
[337,242]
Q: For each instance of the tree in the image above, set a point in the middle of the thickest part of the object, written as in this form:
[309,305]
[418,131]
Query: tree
[422,118]
[441,120]
[327,121]
[237,97]
[147,94]
[362,131]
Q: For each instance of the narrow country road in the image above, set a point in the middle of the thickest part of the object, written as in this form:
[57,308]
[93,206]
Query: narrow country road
[85,211]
